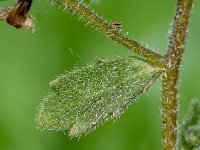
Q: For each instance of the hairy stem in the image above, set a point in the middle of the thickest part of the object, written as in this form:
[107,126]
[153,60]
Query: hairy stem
[100,24]
[171,76]
[171,63]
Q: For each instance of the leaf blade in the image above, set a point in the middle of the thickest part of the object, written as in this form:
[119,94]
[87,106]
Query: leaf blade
[84,98]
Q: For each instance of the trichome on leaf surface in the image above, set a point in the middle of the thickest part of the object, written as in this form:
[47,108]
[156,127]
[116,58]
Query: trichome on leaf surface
[17,15]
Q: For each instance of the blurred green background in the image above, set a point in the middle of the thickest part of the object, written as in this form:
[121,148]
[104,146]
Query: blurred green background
[29,61]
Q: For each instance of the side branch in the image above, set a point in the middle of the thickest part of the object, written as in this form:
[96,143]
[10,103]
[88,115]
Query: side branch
[171,76]
[101,25]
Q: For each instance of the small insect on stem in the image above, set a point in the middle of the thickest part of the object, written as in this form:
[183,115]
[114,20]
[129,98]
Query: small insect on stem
[116,25]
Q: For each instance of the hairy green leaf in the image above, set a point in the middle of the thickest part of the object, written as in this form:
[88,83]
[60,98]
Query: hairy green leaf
[191,128]
[84,98]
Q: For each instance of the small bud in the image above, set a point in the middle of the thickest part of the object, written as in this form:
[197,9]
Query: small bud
[17,15]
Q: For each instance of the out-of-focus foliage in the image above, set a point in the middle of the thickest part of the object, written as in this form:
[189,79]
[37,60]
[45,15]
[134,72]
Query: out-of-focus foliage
[190,135]
[29,61]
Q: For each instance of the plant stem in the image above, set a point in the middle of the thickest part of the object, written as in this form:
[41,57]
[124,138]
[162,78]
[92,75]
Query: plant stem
[171,76]
[171,63]
[100,24]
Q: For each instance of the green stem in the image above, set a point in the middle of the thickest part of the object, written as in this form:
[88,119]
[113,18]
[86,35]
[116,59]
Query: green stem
[171,76]
[100,24]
